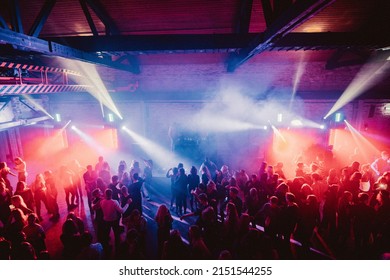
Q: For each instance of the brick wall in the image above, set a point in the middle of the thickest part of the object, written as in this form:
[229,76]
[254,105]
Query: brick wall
[152,119]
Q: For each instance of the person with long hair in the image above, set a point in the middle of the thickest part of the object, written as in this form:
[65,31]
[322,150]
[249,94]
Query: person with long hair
[4,172]
[26,193]
[181,184]
[174,247]
[172,174]
[230,225]
[35,234]
[18,202]
[21,168]
[39,189]
[205,175]
[66,179]
[16,223]
[193,182]
[77,170]
[5,201]
[51,195]
[164,222]
[308,220]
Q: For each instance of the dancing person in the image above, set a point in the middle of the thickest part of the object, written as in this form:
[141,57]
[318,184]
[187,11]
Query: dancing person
[39,189]
[211,166]
[147,177]
[124,199]
[90,177]
[193,182]
[21,168]
[4,172]
[77,170]
[26,193]
[164,222]
[122,167]
[181,192]
[111,216]
[35,234]
[17,202]
[114,186]
[382,164]
[135,192]
[134,168]
[205,175]
[105,173]
[51,195]
[66,181]
[172,173]
[99,164]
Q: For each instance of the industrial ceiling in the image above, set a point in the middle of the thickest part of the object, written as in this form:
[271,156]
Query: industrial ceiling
[159,46]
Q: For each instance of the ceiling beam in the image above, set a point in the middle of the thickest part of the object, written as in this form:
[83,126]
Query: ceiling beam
[267,12]
[155,42]
[298,13]
[16,20]
[197,42]
[244,17]
[22,122]
[88,16]
[3,23]
[333,40]
[41,18]
[98,8]
[32,44]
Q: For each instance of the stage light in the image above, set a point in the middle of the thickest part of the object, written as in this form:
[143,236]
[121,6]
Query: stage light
[278,133]
[338,117]
[161,155]
[110,117]
[322,126]
[296,123]
[35,105]
[57,117]
[365,146]
[386,110]
[91,77]
[100,141]
[280,117]
[369,75]
[73,127]
[265,127]
[297,79]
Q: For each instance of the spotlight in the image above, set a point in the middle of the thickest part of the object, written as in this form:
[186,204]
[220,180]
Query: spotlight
[57,117]
[386,110]
[338,117]
[265,127]
[322,126]
[296,123]
[280,117]
[73,127]
[124,127]
[110,117]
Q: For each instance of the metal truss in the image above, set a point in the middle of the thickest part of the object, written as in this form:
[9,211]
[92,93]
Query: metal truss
[294,16]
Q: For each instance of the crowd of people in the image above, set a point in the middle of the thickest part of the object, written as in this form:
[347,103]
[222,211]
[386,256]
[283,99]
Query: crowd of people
[231,215]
